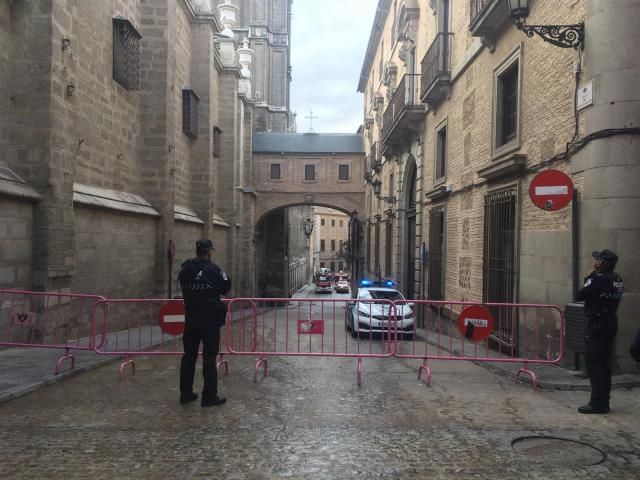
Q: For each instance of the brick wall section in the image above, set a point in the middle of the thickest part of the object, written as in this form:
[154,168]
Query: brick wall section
[16,234]
[546,124]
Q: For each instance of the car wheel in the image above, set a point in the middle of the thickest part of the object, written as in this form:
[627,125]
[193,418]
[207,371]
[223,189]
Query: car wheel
[354,334]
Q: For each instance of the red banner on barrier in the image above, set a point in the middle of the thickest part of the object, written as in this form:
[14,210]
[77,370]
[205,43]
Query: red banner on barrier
[313,327]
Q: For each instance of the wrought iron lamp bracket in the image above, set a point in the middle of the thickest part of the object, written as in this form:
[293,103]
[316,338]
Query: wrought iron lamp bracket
[390,200]
[563,36]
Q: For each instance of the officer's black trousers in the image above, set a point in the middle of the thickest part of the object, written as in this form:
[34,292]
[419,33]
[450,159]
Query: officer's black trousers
[207,332]
[598,349]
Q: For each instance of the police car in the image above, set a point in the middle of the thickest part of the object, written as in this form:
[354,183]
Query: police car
[369,313]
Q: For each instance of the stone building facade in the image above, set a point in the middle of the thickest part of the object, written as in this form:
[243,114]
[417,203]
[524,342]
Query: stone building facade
[329,237]
[462,110]
[125,135]
[267,26]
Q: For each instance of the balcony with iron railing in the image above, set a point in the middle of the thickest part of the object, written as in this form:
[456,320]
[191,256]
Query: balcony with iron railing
[376,157]
[436,69]
[404,113]
[486,18]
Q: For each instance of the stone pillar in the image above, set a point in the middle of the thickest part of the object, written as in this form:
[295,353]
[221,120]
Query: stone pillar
[610,167]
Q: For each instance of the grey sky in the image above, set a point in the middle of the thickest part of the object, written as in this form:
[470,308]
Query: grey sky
[328,43]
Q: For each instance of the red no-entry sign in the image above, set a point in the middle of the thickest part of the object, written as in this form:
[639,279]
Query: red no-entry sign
[551,190]
[475,323]
[171,318]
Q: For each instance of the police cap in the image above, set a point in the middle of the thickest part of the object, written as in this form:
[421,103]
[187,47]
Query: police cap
[204,245]
[606,256]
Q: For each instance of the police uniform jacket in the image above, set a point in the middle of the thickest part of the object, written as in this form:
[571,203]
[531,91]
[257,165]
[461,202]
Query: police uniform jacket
[202,282]
[601,293]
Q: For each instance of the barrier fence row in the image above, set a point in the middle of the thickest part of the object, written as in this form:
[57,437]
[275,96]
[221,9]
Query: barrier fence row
[422,330]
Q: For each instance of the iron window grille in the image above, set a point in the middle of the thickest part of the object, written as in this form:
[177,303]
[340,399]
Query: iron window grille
[126,54]
[275,171]
[343,172]
[499,260]
[216,142]
[190,113]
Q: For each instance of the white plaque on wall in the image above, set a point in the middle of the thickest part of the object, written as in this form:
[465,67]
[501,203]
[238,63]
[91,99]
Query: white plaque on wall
[585,95]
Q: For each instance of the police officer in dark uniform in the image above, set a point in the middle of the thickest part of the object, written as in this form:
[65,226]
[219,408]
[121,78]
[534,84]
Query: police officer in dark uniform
[601,293]
[202,282]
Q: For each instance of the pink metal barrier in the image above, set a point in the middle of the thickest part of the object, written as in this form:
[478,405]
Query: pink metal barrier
[502,333]
[133,327]
[50,320]
[311,327]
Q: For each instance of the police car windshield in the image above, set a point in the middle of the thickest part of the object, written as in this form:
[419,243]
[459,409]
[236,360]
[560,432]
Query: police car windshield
[385,295]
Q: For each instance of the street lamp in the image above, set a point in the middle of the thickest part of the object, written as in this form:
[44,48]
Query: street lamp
[564,36]
[377,185]
[308,227]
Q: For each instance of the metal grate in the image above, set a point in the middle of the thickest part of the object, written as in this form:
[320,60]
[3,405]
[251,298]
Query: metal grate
[437,61]
[190,113]
[436,254]
[126,54]
[499,260]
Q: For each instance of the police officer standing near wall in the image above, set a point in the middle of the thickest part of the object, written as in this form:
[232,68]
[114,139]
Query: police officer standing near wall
[202,282]
[601,293]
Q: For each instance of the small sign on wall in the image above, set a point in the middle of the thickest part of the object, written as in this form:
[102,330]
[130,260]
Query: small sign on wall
[585,95]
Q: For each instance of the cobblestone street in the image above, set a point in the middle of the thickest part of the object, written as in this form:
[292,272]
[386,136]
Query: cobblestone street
[308,419]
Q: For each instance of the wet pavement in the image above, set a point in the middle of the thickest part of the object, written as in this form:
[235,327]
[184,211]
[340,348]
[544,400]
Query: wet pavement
[309,420]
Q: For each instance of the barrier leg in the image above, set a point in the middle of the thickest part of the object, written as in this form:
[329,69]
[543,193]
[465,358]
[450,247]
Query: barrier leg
[426,368]
[222,361]
[359,378]
[260,361]
[66,356]
[525,370]
[127,361]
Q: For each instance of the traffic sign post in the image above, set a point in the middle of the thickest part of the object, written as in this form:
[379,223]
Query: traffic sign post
[171,318]
[475,323]
[551,190]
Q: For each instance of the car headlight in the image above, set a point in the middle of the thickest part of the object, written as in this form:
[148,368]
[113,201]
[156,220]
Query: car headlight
[364,313]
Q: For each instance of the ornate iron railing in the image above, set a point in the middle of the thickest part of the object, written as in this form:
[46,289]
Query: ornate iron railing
[437,61]
[476,7]
[406,95]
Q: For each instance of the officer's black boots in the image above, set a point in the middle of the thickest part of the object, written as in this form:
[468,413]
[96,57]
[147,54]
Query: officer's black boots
[588,409]
[211,401]
[188,397]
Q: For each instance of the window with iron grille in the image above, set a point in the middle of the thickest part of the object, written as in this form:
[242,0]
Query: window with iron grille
[343,172]
[190,113]
[126,54]
[309,172]
[322,245]
[499,258]
[275,171]
[333,245]
[216,141]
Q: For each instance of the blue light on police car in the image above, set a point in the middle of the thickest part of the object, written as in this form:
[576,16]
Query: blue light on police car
[390,283]
[365,283]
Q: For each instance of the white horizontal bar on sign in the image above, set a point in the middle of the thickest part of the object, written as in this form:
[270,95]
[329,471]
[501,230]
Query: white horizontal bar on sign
[477,322]
[174,319]
[552,190]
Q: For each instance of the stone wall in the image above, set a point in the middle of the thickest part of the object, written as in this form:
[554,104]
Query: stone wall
[115,253]
[16,236]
